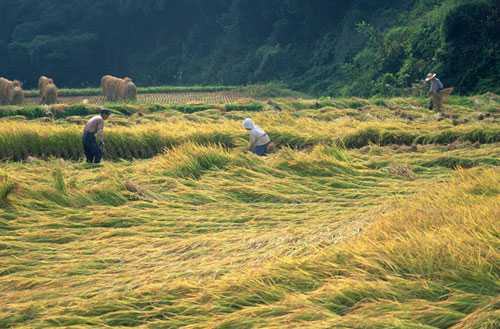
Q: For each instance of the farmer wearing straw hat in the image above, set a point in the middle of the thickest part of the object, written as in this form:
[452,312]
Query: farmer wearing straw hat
[259,140]
[435,91]
[95,127]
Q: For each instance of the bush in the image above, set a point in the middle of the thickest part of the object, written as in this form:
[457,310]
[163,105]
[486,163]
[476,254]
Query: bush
[192,160]
[481,135]
[123,109]
[6,188]
[61,112]
[362,138]
[271,90]
[192,108]
[213,138]
[457,162]
[290,139]
[29,112]
[251,107]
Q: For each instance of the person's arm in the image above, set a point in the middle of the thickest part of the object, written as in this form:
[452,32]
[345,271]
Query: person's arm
[100,136]
[253,140]
[100,132]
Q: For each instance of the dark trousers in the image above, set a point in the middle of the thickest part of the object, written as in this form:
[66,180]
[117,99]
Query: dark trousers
[93,152]
[261,150]
[436,101]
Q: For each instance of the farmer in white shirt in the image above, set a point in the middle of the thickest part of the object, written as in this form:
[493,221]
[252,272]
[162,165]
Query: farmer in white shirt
[259,140]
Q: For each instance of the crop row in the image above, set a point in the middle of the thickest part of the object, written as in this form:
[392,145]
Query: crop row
[181,97]
[64,111]
[18,141]
[66,92]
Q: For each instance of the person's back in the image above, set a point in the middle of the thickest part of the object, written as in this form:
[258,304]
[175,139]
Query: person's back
[259,137]
[95,124]
[436,85]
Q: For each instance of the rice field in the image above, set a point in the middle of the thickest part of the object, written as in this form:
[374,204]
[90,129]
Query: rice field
[170,98]
[371,213]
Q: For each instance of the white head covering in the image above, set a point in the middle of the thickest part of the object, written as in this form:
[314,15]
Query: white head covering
[248,123]
[255,130]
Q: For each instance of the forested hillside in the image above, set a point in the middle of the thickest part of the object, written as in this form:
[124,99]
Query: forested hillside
[342,47]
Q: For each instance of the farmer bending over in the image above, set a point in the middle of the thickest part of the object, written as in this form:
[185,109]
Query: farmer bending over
[95,126]
[259,140]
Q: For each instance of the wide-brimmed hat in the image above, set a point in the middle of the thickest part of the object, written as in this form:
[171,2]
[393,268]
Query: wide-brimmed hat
[430,76]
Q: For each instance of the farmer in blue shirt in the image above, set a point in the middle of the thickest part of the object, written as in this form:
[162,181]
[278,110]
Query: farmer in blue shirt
[434,91]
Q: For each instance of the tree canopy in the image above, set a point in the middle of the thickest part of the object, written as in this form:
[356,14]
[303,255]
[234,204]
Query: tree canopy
[358,47]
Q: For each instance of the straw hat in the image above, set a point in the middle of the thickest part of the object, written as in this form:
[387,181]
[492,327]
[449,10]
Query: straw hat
[430,76]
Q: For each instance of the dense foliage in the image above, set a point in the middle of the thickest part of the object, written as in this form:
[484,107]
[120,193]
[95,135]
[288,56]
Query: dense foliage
[360,47]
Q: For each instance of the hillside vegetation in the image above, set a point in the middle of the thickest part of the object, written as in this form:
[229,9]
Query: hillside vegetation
[372,213]
[342,47]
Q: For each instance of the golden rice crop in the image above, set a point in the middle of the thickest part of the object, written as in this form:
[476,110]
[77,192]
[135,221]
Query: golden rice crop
[202,234]
[18,140]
